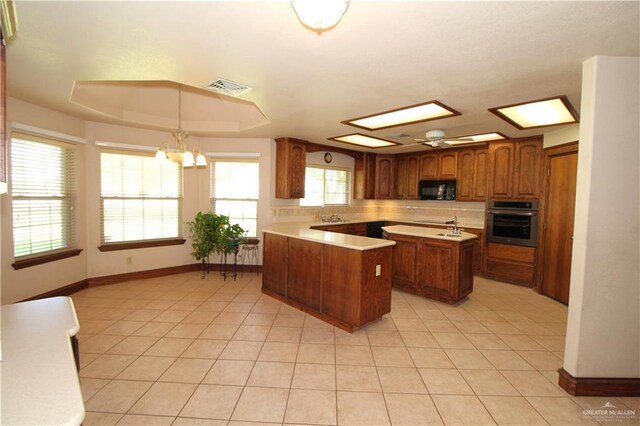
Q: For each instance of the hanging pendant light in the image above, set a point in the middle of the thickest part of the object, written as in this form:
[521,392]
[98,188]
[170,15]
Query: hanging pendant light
[180,153]
[320,15]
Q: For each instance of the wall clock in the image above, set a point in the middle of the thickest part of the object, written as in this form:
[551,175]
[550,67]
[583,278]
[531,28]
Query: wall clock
[328,157]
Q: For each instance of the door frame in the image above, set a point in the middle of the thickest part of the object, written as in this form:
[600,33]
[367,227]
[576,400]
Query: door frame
[548,154]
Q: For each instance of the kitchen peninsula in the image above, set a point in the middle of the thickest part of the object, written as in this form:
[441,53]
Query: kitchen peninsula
[342,279]
[345,278]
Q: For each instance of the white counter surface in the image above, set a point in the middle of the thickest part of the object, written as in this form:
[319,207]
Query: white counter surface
[417,231]
[301,230]
[40,383]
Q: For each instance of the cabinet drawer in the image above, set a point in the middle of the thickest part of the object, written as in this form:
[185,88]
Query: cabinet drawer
[511,253]
[517,273]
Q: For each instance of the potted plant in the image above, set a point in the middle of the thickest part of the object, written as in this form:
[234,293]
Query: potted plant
[212,233]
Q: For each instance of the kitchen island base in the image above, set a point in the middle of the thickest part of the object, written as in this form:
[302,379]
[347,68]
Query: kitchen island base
[345,287]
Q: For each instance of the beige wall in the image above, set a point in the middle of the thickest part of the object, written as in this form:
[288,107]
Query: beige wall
[565,134]
[603,329]
[24,283]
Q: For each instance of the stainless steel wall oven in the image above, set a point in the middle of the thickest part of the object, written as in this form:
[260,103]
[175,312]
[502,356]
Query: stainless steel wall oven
[513,222]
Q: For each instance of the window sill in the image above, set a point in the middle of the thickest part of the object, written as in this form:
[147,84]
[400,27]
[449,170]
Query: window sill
[141,244]
[33,261]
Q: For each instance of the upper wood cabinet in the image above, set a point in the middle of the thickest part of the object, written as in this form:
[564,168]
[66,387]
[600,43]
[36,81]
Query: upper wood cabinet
[406,177]
[290,167]
[385,172]
[472,175]
[514,169]
[439,165]
[364,179]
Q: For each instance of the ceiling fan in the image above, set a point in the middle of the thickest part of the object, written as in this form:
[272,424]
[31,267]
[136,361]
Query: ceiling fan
[436,139]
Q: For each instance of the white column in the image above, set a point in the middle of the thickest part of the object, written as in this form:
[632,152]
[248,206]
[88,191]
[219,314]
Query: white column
[603,330]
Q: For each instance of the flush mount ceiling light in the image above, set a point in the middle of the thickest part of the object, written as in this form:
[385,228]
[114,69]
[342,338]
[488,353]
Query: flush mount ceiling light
[427,111]
[364,140]
[320,15]
[539,113]
[180,153]
[484,137]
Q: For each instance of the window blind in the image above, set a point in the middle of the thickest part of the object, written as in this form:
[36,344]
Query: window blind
[141,198]
[43,195]
[325,186]
[235,188]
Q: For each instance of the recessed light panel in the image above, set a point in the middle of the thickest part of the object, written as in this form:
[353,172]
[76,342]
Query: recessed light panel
[540,113]
[363,140]
[427,111]
[484,137]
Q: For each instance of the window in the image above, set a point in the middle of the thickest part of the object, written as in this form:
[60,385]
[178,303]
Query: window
[141,198]
[234,192]
[43,197]
[325,186]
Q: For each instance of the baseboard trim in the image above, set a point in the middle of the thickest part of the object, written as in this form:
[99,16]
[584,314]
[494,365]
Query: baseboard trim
[598,386]
[62,291]
[139,275]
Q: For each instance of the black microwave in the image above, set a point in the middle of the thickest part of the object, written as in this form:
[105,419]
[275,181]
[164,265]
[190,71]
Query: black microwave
[437,190]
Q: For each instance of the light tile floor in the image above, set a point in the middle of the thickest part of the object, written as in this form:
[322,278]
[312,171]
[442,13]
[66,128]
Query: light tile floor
[184,351]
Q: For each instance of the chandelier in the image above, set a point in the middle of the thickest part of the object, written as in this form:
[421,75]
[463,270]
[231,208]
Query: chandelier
[320,15]
[181,154]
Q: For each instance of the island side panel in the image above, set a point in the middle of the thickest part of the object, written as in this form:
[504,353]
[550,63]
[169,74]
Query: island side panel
[405,259]
[341,283]
[466,269]
[304,272]
[274,269]
[376,290]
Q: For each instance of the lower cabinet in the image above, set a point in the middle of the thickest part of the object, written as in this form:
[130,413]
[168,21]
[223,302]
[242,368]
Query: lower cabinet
[442,270]
[336,284]
[509,263]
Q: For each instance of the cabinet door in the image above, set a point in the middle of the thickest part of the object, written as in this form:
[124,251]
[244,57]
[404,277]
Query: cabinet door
[304,272]
[480,175]
[447,165]
[401,177]
[436,263]
[385,181]
[274,264]
[297,164]
[501,169]
[412,177]
[429,166]
[466,174]
[405,255]
[527,175]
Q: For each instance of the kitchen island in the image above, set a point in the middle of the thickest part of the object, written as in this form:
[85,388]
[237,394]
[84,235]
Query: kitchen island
[432,262]
[342,279]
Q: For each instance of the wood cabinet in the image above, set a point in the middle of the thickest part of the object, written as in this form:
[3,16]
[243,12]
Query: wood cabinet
[359,229]
[290,167]
[514,169]
[509,263]
[303,275]
[385,172]
[364,177]
[434,268]
[406,177]
[439,165]
[274,263]
[472,175]
[336,284]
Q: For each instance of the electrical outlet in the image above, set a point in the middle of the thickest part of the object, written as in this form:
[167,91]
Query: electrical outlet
[129,260]
[378,270]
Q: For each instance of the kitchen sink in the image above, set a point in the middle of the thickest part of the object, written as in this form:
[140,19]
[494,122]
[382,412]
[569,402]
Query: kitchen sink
[449,235]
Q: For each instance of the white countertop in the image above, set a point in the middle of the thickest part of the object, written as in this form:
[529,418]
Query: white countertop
[302,231]
[417,231]
[39,379]
[428,220]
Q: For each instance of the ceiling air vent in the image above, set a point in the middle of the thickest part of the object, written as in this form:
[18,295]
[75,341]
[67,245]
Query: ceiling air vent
[398,135]
[228,87]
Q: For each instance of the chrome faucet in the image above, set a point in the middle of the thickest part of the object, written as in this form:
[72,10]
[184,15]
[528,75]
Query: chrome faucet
[335,218]
[455,230]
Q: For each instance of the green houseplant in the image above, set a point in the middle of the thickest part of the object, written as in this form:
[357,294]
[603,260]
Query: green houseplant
[213,233]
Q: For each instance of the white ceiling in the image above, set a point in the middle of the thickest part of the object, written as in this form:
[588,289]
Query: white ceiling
[382,55]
